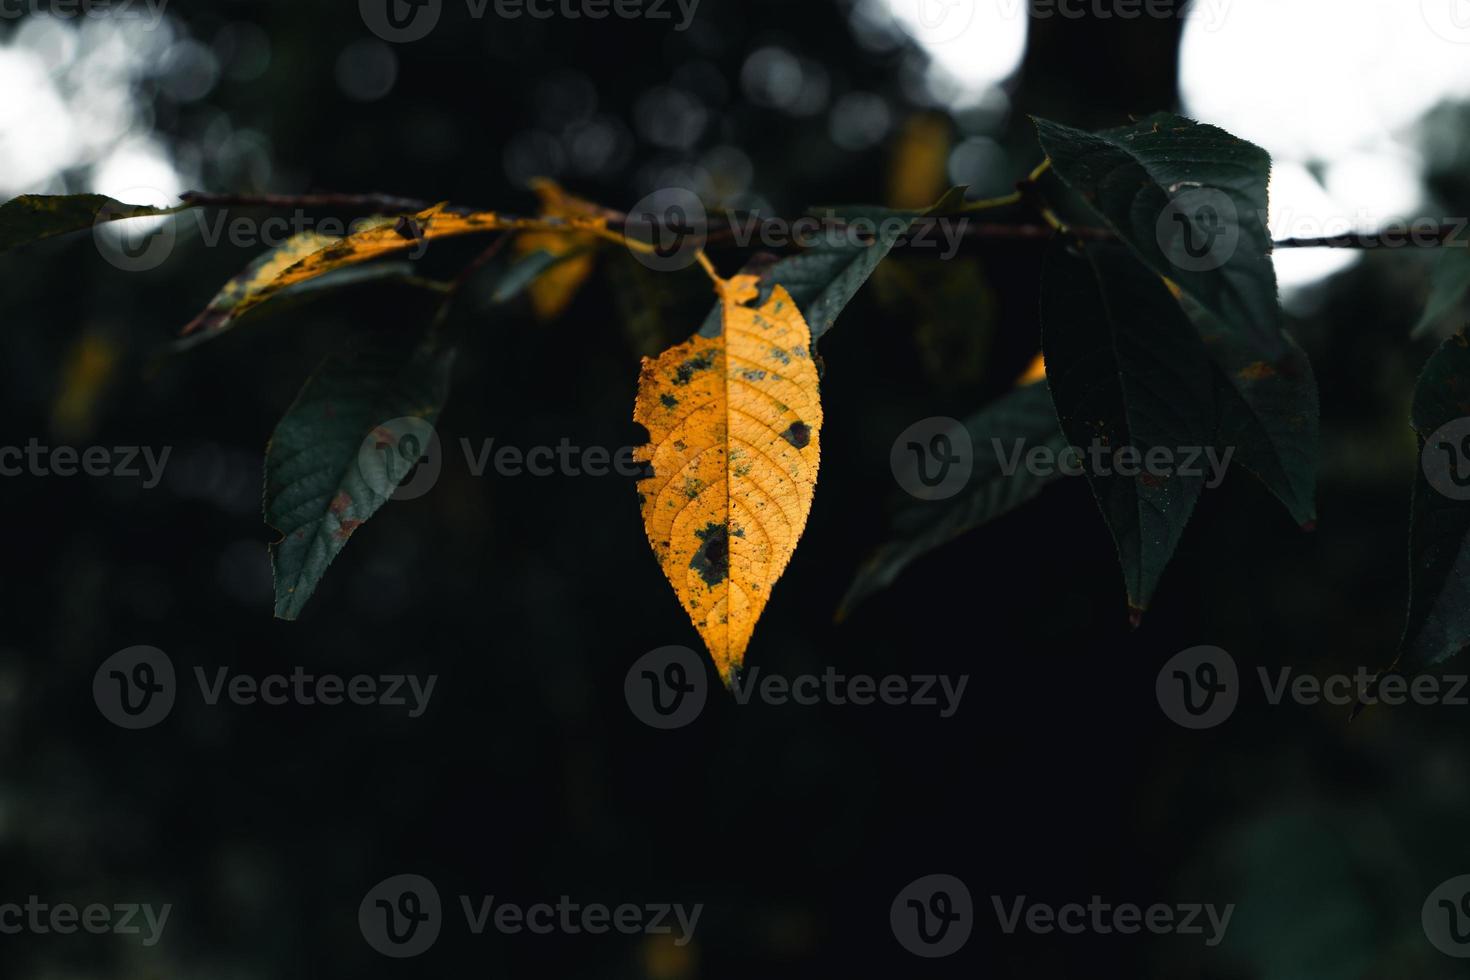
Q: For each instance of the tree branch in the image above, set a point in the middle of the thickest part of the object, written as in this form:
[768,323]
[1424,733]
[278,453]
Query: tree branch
[368,202]
[1431,237]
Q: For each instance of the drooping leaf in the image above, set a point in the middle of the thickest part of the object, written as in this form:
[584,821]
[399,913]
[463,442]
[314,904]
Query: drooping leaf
[1001,434]
[31,217]
[824,278]
[1439,536]
[1190,200]
[734,425]
[293,296]
[555,288]
[378,238]
[1268,414]
[1448,286]
[218,316]
[1128,375]
[341,450]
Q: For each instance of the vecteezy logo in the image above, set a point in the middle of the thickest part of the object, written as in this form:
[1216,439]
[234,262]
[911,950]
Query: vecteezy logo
[394,449]
[1199,687]
[667,229]
[1199,229]
[933,458]
[666,688]
[1446,917]
[933,916]
[1450,19]
[941,21]
[400,21]
[1446,459]
[401,916]
[135,244]
[134,688]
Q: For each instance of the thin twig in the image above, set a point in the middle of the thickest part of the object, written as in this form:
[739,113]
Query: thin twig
[1393,238]
[368,202]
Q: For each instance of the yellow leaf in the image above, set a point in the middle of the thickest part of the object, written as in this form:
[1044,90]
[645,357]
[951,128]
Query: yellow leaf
[555,288]
[734,424]
[919,169]
[90,366]
[1035,372]
[378,239]
[257,275]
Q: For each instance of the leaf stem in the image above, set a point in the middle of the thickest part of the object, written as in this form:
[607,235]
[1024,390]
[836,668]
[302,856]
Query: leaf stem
[708,266]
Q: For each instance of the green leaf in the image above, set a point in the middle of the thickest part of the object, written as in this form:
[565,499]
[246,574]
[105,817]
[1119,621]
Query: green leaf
[1128,374]
[342,449]
[1439,536]
[1190,200]
[31,217]
[1023,418]
[823,279]
[1269,415]
[1447,286]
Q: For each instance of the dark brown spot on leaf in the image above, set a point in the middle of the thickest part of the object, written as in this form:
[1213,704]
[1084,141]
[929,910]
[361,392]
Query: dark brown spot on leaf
[712,560]
[799,434]
[685,374]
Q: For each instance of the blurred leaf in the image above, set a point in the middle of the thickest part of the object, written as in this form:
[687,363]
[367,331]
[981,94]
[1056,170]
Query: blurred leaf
[1439,535]
[528,271]
[1190,200]
[1447,286]
[734,425]
[90,366]
[1127,369]
[1035,371]
[951,309]
[641,297]
[552,291]
[31,217]
[1023,417]
[920,162]
[341,450]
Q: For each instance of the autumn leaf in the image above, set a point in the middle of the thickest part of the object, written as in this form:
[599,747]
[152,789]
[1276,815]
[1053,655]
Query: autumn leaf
[378,238]
[555,288]
[221,311]
[733,422]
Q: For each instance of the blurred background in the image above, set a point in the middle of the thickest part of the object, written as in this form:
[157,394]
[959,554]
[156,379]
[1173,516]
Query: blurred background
[528,778]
